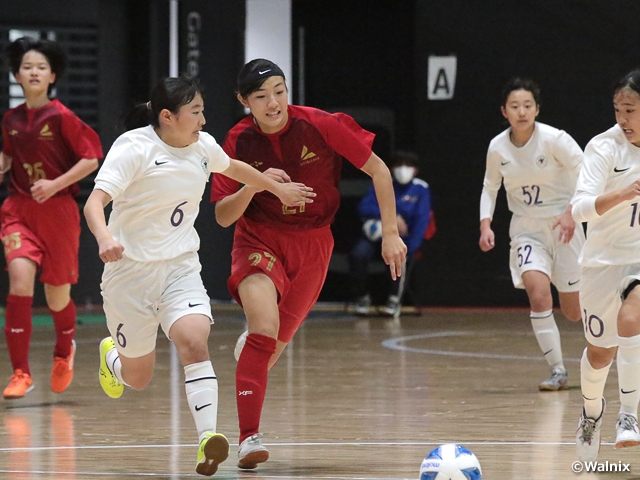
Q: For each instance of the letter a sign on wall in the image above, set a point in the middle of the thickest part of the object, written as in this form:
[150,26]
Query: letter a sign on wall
[441,78]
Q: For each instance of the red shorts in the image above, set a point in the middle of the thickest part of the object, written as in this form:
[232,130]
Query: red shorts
[47,233]
[296,262]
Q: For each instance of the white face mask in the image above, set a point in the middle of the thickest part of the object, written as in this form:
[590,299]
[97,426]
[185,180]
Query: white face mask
[404,174]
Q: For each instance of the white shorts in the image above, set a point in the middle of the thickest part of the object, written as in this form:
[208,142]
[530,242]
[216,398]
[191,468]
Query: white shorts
[535,246]
[601,298]
[139,296]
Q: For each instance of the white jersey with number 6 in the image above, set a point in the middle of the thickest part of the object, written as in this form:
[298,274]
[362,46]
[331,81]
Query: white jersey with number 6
[611,163]
[539,177]
[137,168]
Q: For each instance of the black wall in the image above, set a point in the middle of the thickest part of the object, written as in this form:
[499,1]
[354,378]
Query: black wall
[132,57]
[358,59]
[372,56]
[575,50]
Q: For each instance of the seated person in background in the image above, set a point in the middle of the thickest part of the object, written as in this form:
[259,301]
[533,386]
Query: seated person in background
[413,207]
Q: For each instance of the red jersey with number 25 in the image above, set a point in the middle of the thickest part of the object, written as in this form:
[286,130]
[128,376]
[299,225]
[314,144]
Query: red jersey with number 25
[45,143]
[310,149]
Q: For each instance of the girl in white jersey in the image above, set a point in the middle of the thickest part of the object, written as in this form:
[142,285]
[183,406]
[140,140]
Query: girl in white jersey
[155,176]
[539,166]
[607,198]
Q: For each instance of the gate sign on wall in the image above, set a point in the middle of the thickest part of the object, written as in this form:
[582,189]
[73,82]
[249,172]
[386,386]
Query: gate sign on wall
[441,77]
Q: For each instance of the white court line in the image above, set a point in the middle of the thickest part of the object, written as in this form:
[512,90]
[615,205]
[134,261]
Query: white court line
[222,474]
[287,444]
[397,344]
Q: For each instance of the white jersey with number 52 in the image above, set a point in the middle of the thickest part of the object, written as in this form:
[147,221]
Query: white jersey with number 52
[156,191]
[539,177]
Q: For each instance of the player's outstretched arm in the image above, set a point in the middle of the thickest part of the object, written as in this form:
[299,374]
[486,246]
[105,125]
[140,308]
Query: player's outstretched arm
[230,208]
[290,194]
[394,251]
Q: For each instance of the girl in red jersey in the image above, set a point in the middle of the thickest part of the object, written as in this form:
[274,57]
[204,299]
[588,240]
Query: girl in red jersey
[48,149]
[281,255]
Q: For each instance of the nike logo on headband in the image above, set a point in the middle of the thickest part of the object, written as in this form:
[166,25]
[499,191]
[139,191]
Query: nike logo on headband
[263,72]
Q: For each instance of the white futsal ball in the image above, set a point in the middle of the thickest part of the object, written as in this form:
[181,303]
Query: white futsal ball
[450,462]
[373,229]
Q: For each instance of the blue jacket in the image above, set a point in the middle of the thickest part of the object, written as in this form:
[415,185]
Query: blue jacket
[413,204]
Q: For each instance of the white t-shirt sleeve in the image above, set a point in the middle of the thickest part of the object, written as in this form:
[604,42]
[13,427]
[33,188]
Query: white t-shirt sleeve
[567,151]
[218,160]
[120,166]
[591,181]
[491,185]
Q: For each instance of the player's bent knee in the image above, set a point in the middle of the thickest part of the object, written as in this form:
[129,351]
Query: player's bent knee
[572,315]
[138,381]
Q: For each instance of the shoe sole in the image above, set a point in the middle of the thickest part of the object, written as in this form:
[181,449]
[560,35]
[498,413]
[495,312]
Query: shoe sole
[550,388]
[251,460]
[216,451]
[627,443]
[14,397]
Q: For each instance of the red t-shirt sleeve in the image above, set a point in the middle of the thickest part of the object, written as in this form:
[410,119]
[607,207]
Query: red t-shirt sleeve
[346,137]
[83,140]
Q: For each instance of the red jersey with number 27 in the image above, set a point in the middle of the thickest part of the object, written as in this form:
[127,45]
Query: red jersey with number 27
[310,149]
[45,143]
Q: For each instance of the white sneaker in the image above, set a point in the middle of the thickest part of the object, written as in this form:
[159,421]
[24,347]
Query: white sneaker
[392,308]
[252,452]
[362,305]
[558,380]
[627,433]
[588,436]
[242,339]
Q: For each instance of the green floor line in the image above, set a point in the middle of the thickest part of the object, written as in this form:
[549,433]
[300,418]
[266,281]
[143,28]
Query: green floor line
[39,320]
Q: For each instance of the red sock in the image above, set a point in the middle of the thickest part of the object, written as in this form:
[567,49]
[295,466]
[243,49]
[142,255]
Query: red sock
[65,323]
[17,330]
[251,382]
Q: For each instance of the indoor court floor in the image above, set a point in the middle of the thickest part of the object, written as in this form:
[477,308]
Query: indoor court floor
[351,398]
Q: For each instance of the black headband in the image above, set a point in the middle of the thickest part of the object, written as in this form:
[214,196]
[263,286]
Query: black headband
[259,74]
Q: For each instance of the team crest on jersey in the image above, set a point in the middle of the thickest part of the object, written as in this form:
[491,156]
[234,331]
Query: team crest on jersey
[541,162]
[307,156]
[205,164]
[45,133]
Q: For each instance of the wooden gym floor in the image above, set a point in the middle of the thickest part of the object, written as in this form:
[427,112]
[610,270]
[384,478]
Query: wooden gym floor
[351,398]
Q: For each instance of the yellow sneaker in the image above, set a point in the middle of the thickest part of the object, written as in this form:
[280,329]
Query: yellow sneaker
[19,384]
[108,381]
[213,450]
[62,371]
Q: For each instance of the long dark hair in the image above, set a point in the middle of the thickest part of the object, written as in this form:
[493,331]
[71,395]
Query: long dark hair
[170,93]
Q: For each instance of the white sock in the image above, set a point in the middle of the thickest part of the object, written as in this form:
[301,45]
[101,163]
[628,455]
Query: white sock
[548,336]
[592,383]
[115,365]
[201,385]
[628,361]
